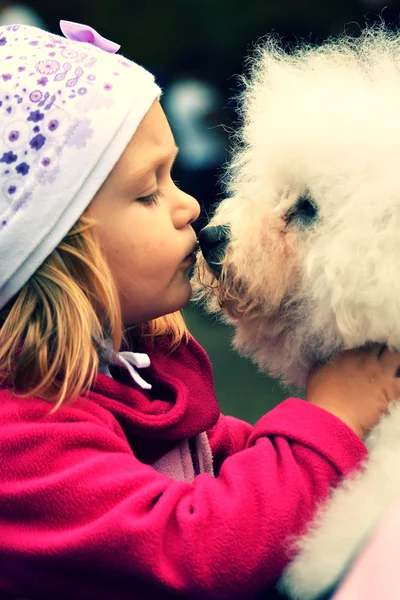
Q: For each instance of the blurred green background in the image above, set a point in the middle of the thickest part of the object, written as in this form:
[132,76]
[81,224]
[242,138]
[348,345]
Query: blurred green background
[241,390]
[196,49]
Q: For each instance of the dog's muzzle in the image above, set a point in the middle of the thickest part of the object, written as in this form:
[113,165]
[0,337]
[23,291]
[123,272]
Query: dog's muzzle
[213,241]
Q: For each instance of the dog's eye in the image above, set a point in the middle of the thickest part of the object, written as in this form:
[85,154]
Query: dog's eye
[304,212]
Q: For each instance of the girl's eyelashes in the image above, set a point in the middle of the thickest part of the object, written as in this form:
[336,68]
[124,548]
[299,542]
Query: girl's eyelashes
[151,199]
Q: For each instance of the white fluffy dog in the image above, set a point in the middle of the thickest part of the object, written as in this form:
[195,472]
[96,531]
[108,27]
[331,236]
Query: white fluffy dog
[307,249]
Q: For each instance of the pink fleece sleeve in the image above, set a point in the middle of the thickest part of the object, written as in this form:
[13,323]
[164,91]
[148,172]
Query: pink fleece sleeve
[81,517]
[295,420]
[228,436]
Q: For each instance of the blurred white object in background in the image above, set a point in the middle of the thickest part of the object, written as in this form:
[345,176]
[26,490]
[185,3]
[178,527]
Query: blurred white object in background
[14,13]
[189,104]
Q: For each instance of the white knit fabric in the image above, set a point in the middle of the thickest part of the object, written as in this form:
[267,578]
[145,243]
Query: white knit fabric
[68,109]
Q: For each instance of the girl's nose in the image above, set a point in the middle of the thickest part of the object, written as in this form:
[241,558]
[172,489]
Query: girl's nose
[194,209]
[187,209]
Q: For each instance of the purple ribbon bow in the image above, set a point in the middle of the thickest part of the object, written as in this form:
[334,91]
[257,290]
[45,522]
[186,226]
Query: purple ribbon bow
[84,33]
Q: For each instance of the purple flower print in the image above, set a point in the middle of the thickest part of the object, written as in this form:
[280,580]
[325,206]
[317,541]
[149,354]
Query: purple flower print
[35,116]
[108,87]
[34,43]
[36,129]
[42,81]
[35,96]
[12,189]
[37,142]
[82,91]
[9,109]
[53,125]
[70,54]
[13,136]
[6,77]
[21,69]
[8,157]
[3,41]
[82,133]
[49,104]
[23,169]
[47,67]
[46,161]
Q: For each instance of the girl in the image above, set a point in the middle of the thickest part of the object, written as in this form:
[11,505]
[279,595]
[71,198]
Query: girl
[114,484]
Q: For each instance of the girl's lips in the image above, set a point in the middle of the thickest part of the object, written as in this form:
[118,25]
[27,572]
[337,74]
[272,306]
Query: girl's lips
[191,257]
[190,260]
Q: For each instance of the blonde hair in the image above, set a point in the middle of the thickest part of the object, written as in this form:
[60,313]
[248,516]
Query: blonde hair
[51,331]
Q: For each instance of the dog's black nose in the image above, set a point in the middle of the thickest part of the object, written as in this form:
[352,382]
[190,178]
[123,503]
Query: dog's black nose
[213,241]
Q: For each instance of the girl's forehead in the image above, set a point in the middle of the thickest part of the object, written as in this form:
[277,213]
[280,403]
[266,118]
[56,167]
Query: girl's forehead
[151,144]
[154,130]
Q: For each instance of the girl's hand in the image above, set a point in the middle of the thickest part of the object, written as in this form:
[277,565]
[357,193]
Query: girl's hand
[357,386]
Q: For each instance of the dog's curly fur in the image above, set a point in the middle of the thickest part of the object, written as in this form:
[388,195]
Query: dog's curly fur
[321,123]
[313,262]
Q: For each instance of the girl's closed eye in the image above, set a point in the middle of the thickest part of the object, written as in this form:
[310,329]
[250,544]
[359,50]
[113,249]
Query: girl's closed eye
[151,199]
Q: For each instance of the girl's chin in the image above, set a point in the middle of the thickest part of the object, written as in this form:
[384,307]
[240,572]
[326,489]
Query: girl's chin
[181,296]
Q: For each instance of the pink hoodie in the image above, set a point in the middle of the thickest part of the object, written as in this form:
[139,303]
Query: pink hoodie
[87,510]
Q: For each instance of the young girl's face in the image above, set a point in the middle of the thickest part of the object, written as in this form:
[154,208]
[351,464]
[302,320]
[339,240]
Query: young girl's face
[145,224]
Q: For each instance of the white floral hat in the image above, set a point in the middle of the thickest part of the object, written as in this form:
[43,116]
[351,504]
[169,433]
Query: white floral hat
[68,108]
